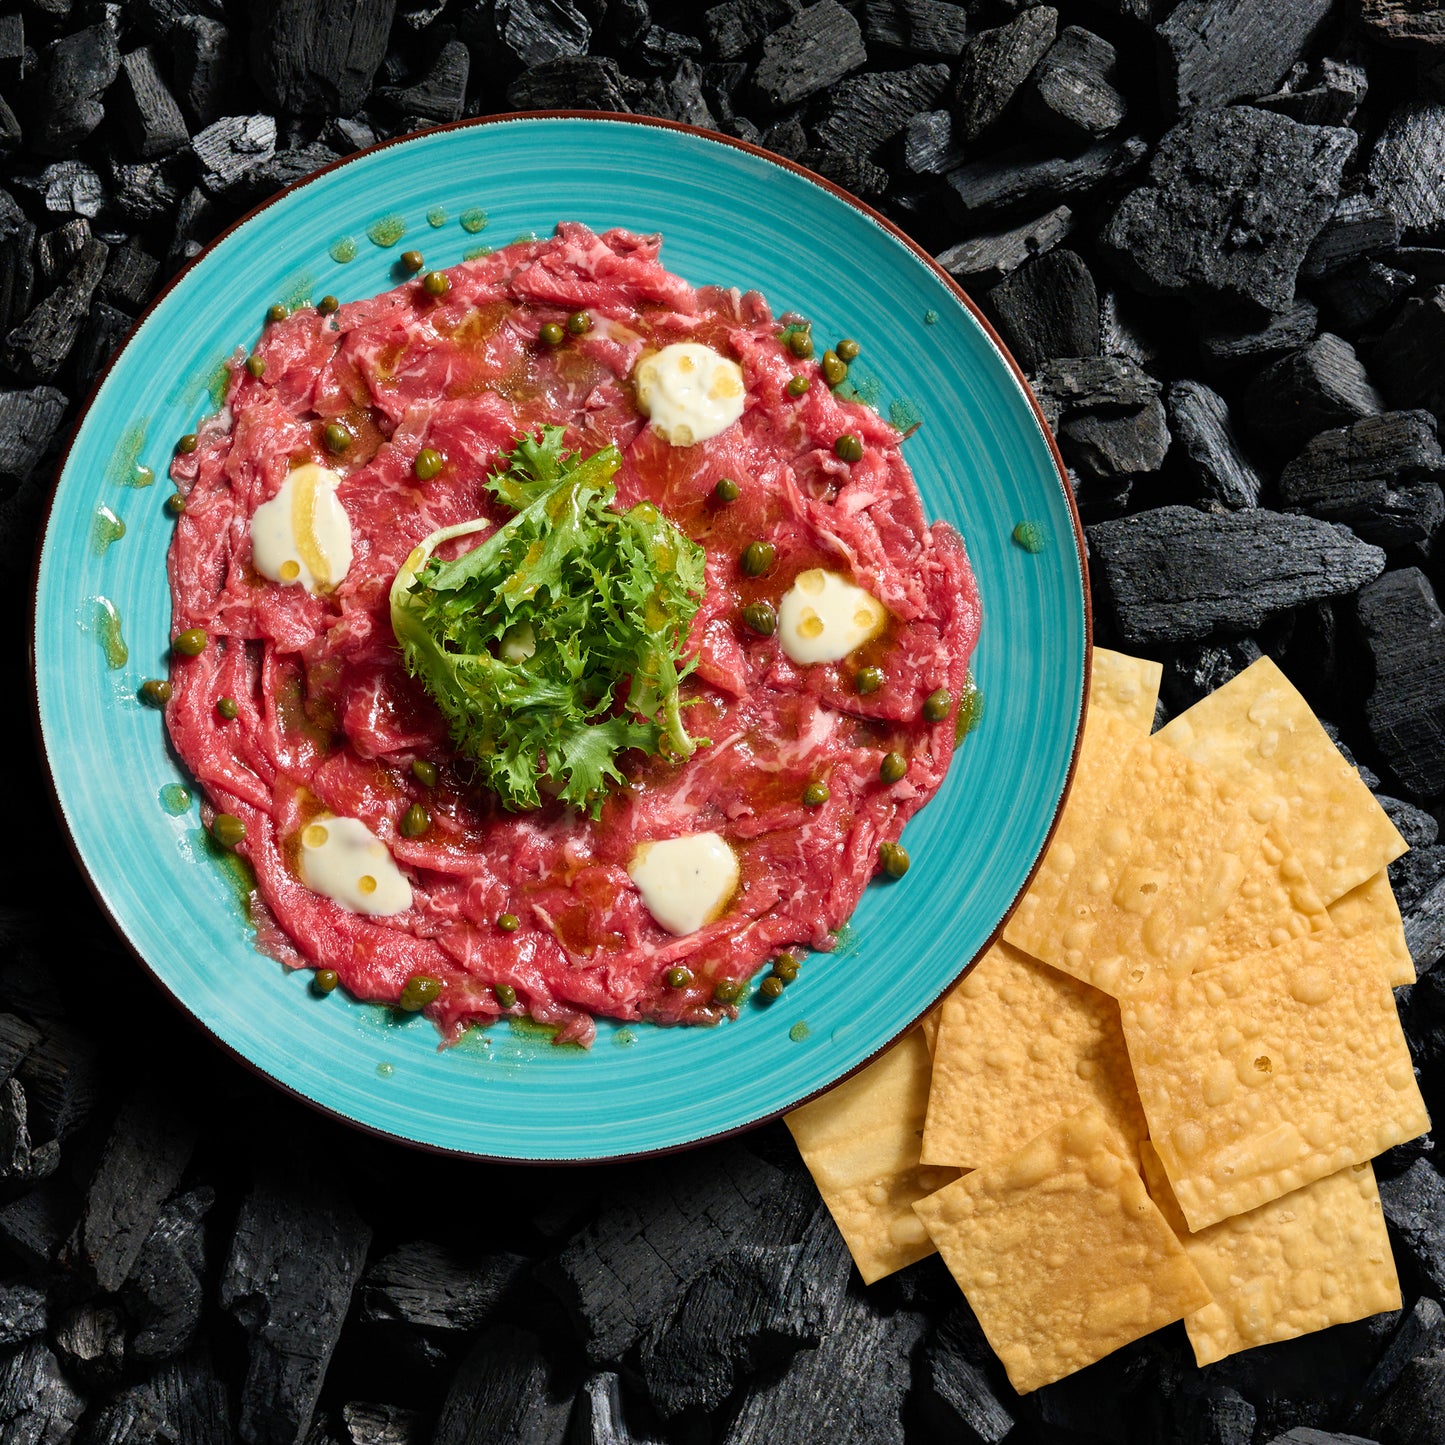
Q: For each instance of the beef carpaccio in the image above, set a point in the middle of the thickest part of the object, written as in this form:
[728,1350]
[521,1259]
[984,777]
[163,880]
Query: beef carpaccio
[327,721]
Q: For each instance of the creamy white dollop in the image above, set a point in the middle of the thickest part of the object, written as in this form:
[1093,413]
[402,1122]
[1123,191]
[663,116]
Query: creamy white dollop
[689,392]
[343,859]
[303,533]
[823,617]
[685,882]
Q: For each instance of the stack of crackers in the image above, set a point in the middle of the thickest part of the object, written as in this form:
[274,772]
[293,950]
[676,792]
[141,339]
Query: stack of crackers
[1157,1096]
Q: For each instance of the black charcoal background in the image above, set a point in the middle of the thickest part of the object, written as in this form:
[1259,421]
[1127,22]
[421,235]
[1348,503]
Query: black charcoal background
[1214,232]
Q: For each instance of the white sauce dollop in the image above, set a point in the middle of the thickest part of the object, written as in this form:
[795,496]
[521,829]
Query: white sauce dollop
[689,391]
[685,882]
[824,616]
[343,859]
[303,533]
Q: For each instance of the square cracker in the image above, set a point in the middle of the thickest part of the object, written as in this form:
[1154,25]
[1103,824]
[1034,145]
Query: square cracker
[1259,733]
[1127,687]
[1061,1252]
[1149,854]
[861,1142]
[1370,910]
[1264,1074]
[1301,1263]
[1020,1047]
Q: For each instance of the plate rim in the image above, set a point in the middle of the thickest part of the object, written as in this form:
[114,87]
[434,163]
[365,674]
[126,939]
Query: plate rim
[502,118]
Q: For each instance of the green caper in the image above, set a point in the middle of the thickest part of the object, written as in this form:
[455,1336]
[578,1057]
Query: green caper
[835,369]
[847,349]
[427,464]
[770,988]
[893,767]
[415,821]
[175,504]
[727,490]
[815,795]
[785,966]
[937,705]
[228,708]
[256,366]
[757,558]
[508,922]
[728,990]
[324,980]
[227,829]
[506,994]
[848,448]
[188,443]
[551,334]
[579,323]
[761,617]
[800,343]
[798,386]
[190,643]
[412,261]
[418,991]
[436,283]
[336,437]
[679,976]
[276,313]
[328,305]
[155,692]
[893,859]
[424,772]
[868,679]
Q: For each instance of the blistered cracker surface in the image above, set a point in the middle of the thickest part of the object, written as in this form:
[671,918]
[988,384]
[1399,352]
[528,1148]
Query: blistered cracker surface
[1061,1252]
[1262,1075]
[1127,687]
[1150,866]
[928,1027]
[1371,911]
[1276,902]
[1020,1047]
[1301,1263]
[861,1144]
[1259,732]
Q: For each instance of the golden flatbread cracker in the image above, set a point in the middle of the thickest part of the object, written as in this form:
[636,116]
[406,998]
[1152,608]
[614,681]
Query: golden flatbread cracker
[1301,1263]
[1127,687]
[1276,902]
[1061,1252]
[1370,910]
[928,1027]
[1021,1046]
[1259,733]
[860,1142]
[1136,878]
[1264,1074]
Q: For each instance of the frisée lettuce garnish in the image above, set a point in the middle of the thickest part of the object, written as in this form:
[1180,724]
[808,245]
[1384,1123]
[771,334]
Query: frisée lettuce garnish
[558,642]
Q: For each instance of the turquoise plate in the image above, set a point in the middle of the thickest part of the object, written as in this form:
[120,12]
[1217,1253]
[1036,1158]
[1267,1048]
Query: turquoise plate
[729,214]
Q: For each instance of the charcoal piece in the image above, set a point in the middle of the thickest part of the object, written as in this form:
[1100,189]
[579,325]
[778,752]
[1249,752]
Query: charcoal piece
[1320,385]
[1175,574]
[504,1394]
[315,57]
[679,97]
[993,66]
[787,136]
[56,250]
[424,1285]
[23,1312]
[1416,24]
[205,62]
[368,1424]
[583,82]
[145,193]
[660,49]
[535,32]
[1071,91]
[153,121]
[1067,386]
[1230,343]
[1360,226]
[192,1401]
[983,261]
[1425,930]
[164,1292]
[1405,632]
[1358,296]
[1327,95]
[129,278]
[231,146]
[1409,358]
[347,134]
[1414,1205]
[597,1415]
[865,115]
[10,133]
[72,188]
[1047,308]
[1215,51]
[731,29]
[283,169]
[38,1405]
[295,1257]
[925,28]
[29,421]
[126,1419]
[1414,875]
[625,22]
[965,1405]
[89,1340]
[1407,167]
[195,220]
[441,92]
[1023,176]
[39,345]
[66,95]
[418,14]
[853,172]
[1233,200]
[1112,448]
[12,46]
[1308,1435]
[105,329]
[160,18]
[1417,827]
[1414,1410]
[17,263]
[34,1226]
[928,148]
[813,51]
[1219,1416]
[1199,418]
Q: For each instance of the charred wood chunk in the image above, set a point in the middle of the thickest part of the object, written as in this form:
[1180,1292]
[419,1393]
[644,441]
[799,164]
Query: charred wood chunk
[165,1293]
[206,61]
[865,115]
[1405,632]
[29,421]
[1233,200]
[71,188]
[146,193]
[232,146]
[1410,357]
[925,28]
[192,1401]
[56,250]
[1321,385]
[1417,24]
[318,56]
[12,46]
[1407,167]
[105,329]
[928,148]
[285,168]
[90,1342]
[1415,1408]
[153,121]
[195,221]
[62,1081]
[1328,94]
[993,66]
[1071,91]
[1425,929]
[1020,177]
[10,133]
[984,261]
[1414,1205]
[504,1394]
[853,172]
[441,92]
[23,1312]
[733,28]
[1215,51]
[585,82]
[1175,574]
[597,1414]
[17,1037]
[1111,449]
[130,276]
[679,96]
[1417,827]
[424,1285]
[1360,226]
[368,1424]
[66,94]
[1424,263]
[1070,385]
[964,1403]
[34,1226]
[1413,876]
[1199,418]
[37,1402]
[1231,342]
[1360,294]
[1047,308]
[813,51]
[17,264]
[534,32]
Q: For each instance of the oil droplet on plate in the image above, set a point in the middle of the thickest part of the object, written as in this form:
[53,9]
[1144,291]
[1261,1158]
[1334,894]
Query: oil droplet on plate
[1030,536]
[476,253]
[930,317]
[175,799]
[970,708]
[624,1038]
[799,1032]
[385,1070]
[107,628]
[436,217]
[473,220]
[342,250]
[387,231]
[108,528]
[126,468]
